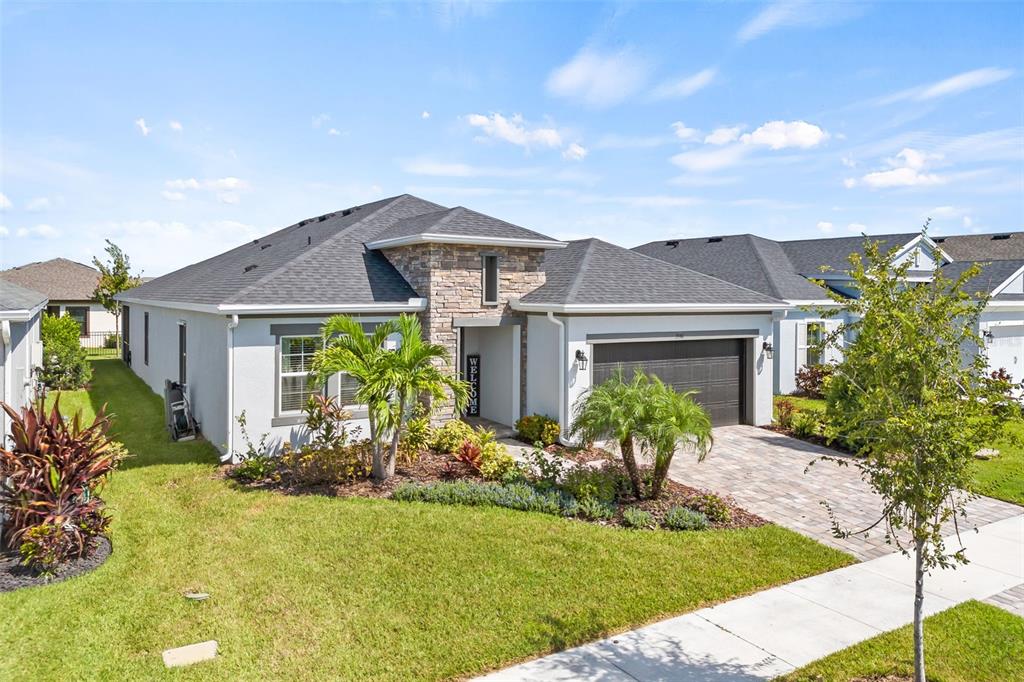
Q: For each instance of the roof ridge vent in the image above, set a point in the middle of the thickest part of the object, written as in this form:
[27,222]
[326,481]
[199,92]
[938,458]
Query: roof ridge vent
[714,240]
[1000,236]
[347,212]
[250,268]
[264,246]
[672,243]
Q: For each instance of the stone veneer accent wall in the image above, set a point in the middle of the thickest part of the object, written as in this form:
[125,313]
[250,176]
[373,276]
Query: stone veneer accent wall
[449,276]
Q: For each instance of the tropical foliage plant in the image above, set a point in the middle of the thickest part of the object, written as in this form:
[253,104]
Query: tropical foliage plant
[538,428]
[913,393]
[49,483]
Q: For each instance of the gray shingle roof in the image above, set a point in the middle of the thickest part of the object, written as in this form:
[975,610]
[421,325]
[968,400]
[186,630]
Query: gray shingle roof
[993,273]
[1002,246]
[747,260]
[59,279]
[316,261]
[459,222]
[13,297]
[808,256]
[591,271]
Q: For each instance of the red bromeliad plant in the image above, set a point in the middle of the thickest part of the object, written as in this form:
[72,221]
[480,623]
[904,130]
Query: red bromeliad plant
[48,483]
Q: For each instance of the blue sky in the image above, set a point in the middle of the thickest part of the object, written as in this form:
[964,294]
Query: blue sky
[182,130]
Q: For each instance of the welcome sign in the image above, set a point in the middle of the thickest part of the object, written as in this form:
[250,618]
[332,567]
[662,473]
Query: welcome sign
[473,379]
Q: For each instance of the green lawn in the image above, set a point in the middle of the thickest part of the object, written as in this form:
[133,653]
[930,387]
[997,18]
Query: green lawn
[972,642]
[314,587]
[1002,477]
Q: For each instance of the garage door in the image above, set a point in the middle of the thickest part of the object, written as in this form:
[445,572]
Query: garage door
[714,368]
[1006,350]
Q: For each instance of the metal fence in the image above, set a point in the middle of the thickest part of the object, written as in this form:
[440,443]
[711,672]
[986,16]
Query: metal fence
[101,344]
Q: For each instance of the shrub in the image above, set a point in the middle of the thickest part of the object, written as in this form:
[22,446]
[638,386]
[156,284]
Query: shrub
[595,510]
[325,420]
[785,411]
[496,464]
[65,365]
[415,438]
[310,465]
[603,484]
[256,463]
[681,518]
[634,517]
[49,481]
[712,506]
[807,424]
[450,436]
[110,341]
[538,428]
[811,379]
[469,453]
[518,496]
[547,468]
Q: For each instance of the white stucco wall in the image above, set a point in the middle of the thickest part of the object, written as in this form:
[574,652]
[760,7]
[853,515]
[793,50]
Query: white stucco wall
[498,348]
[578,382]
[18,360]
[206,367]
[542,366]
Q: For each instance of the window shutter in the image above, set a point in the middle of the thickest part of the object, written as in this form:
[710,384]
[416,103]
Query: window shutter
[801,345]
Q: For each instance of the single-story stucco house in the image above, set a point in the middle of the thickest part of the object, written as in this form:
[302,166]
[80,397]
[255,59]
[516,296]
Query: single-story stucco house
[69,286]
[784,270]
[533,322]
[21,350]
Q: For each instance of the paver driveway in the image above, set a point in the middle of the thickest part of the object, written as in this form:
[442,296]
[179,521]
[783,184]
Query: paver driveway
[764,472]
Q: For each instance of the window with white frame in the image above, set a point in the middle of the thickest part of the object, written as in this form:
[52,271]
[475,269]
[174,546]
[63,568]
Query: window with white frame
[808,351]
[296,361]
[490,279]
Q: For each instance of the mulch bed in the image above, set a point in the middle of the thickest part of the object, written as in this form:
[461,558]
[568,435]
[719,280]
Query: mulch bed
[431,467]
[816,440]
[14,576]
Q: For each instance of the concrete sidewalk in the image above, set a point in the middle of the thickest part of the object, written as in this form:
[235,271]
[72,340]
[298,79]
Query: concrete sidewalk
[778,630]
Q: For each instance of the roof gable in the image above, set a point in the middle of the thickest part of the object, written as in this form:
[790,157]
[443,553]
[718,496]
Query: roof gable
[978,247]
[58,279]
[16,298]
[459,225]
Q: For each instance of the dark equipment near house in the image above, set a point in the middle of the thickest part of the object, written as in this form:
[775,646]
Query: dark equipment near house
[178,412]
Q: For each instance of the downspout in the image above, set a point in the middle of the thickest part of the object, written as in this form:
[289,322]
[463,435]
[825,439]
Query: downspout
[561,378]
[232,324]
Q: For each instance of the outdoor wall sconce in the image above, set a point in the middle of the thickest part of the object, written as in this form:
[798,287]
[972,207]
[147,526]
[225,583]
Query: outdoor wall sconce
[581,359]
[769,349]
[988,336]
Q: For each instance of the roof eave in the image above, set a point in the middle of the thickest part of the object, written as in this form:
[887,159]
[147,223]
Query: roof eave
[430,238]
[412,305]
[609,308]
[22,314]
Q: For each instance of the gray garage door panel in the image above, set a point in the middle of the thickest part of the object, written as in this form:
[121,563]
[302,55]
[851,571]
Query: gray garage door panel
[714,368]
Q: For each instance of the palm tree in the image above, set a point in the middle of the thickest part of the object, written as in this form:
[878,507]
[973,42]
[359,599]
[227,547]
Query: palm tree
[616,410]
[347,348]
[413,371]
[390,382]
[677,421]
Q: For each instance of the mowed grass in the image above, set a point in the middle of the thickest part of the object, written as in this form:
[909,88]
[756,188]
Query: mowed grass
[1001,477]
[972,642]
[321,588]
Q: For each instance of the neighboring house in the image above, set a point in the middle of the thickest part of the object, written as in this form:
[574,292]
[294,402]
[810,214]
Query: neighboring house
[531,321]
[69,286]
[21,349]
[784,270]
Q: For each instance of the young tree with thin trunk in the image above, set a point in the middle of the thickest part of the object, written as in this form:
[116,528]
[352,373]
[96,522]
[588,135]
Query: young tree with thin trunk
[115,277]
[913,396]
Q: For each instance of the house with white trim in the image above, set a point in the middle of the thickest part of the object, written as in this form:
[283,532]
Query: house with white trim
[21,348]
[789,270]
[532,322]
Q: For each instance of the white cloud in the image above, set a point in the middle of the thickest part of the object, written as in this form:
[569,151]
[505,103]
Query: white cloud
[5,203]
[425,114]
[954,85]
[38,204]
[599,80]
[720,136]
[190,183]
[41,231]
[4,231]
[140,123]
[228,198]
[334,132]
[906,170]
[944,212]
[176,126]
[684,133]
[825,226]
[857,227]
[707,160]
[702,181]
[320,119]
[614,141]
[849,162]
[225,189]
[849,183]
[796,13]
[226,183]
[575,152]
[968,221]
[434,168]
[515,130]
[173,196]
[684,87]
[783,134]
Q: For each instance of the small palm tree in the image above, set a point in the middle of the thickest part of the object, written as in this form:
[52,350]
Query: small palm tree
[413,371]
[677,422]
[348,349]
[616,410]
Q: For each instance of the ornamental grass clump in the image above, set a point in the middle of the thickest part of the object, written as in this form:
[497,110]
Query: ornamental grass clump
[681,518]
[519,496]
[49,480]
